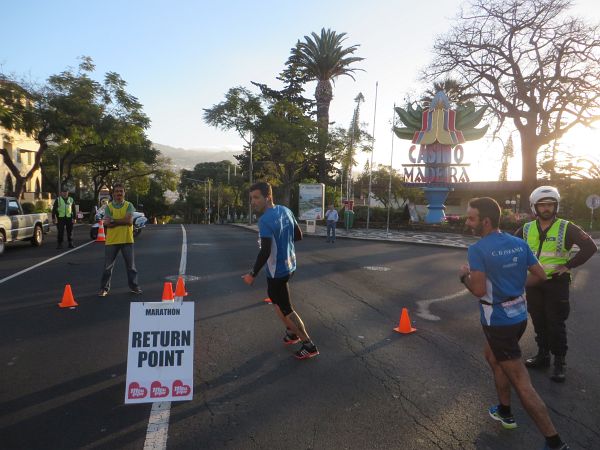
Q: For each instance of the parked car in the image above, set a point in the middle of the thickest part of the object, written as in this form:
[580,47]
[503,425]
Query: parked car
[16,226]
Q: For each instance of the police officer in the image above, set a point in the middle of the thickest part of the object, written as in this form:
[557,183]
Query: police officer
[551,240]
[62,217]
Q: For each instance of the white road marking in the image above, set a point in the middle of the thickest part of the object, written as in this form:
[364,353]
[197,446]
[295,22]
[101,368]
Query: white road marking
[423,305]
[377,268]
[158,422]
[14,275]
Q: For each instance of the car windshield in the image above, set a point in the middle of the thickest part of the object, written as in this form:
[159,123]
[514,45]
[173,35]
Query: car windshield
[2,206]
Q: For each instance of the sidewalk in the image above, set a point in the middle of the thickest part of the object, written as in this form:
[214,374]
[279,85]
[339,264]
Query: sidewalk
[438,239]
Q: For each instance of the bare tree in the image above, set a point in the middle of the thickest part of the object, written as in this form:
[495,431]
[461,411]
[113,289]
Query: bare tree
[531,62]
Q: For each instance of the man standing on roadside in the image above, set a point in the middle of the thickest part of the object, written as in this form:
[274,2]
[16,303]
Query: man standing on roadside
[497,274]
[331,217]
[551,239]
[118,221]
[278,230]
[62,217]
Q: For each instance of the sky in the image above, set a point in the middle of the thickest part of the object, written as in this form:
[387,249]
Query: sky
[181,56]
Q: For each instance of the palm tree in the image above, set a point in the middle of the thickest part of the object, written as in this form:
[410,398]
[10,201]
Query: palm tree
[454,89]
[323,58]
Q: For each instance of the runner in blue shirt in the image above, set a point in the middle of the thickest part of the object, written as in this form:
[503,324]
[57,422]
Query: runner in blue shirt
[497,274]
[278,230]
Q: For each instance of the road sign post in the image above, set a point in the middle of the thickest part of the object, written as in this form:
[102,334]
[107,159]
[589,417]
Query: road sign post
[592,202]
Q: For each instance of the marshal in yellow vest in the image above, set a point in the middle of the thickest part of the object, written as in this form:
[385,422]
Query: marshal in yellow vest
[553,252]
[122,234]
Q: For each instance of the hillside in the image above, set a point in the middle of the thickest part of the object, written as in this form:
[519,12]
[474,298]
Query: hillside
[187,159]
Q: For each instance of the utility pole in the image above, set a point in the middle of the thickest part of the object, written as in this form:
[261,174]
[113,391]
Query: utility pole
[251,169]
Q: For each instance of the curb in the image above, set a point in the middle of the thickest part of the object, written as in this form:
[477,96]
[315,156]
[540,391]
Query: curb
[400,239]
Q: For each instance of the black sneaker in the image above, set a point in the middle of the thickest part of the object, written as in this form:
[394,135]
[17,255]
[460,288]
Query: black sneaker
[71,245]
[137,290]
[308,350]
[290,339]
[103,293]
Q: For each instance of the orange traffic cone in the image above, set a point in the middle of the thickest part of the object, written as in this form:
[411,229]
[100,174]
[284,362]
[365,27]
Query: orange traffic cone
[267,300]
[168,292]
[67,299]
[101,236]
[180,288]
[404,326]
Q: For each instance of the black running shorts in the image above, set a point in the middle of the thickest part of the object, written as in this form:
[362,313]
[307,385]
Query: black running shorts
[504,340]
[279,293]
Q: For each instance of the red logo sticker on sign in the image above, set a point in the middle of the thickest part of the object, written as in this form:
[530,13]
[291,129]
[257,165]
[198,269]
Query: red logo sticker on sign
[136,391]
[157,390]
[180,389]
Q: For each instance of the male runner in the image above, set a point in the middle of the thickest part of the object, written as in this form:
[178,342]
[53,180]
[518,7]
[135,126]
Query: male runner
[278,230]
[497,275]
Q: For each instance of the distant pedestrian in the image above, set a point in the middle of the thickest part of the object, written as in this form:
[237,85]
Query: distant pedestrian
[63,217]
[331,218]
[552,239]
[278,230]
[497,274]
[118,221]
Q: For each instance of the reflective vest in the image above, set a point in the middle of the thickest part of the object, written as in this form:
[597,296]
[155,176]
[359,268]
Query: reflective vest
[553,252]
[65,209]
[123,234]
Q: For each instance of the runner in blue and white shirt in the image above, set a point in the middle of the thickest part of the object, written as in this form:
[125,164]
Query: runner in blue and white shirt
[497,274]
[278,230]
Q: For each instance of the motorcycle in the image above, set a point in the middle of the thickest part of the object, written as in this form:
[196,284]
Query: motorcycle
[139,222]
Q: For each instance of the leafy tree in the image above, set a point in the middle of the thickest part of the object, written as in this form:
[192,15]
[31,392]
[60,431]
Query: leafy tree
[532,64]
[285,141]
[323,58]
[74,112]
[380,184]
[239,112]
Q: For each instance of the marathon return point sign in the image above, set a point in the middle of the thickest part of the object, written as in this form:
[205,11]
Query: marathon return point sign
[160,357]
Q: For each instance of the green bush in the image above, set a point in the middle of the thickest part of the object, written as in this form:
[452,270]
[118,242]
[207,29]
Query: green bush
[28,208]
[42,207]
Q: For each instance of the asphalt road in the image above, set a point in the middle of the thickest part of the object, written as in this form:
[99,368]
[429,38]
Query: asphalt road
[62,372]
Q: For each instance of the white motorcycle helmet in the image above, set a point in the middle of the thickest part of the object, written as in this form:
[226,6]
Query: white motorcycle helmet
[544,194]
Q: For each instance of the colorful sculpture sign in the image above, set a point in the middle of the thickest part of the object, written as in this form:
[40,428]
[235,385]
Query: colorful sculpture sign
[438,130]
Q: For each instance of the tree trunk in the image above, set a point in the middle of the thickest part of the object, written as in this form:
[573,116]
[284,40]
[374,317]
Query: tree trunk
[529,150]
[323,96]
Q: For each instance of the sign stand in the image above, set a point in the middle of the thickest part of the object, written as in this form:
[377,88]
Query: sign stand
[592,202]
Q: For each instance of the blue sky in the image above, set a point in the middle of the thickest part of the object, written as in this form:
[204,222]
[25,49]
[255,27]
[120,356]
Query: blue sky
[181,56]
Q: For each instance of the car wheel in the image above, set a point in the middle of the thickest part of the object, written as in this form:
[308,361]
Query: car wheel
[38,236]
[1,243]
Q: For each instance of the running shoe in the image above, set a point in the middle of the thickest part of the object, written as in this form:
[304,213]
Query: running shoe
[103,293]
[136,290]
[290,339]
[508,422]
[308,350]
[562,447]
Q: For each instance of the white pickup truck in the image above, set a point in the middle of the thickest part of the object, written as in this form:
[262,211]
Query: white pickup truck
[16,226]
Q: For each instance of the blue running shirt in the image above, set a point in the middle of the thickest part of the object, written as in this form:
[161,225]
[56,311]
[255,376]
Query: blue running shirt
[278,223]
[505,260]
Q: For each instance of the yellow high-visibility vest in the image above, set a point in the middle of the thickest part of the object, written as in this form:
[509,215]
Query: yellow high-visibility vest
[554,252]
[65,209]
[121,234]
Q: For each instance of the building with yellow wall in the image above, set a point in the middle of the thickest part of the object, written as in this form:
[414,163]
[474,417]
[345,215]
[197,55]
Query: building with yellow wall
[22,149]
